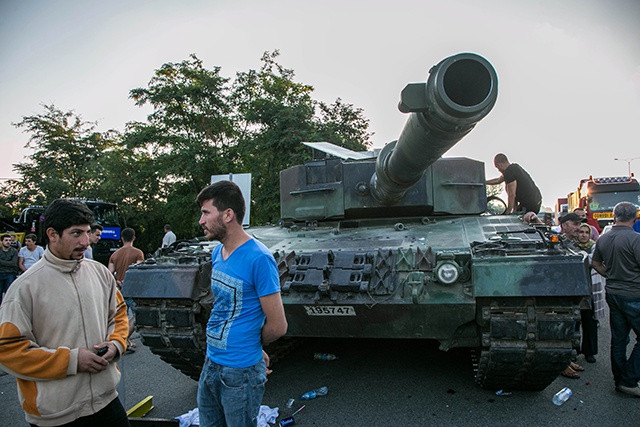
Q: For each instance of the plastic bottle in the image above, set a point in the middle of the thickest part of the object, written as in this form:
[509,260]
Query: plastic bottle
[325,356]
[322,391]
[562,396]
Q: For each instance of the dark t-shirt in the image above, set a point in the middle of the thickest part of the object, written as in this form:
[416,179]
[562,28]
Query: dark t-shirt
[9,261]
[528,197]
[619,250]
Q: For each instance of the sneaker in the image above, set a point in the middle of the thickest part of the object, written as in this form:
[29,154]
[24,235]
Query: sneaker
[634,391]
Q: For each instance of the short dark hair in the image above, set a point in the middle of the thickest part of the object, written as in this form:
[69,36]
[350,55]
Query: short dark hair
[31,236]
[167,227]
[224,195]
[4,236]
[95,227]
[64,213]
[500,158]
[128,234]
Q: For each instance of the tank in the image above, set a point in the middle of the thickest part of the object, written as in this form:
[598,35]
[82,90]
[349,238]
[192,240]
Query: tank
[396,243]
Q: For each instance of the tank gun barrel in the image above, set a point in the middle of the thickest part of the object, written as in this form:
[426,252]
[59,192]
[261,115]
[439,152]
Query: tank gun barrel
[460,91]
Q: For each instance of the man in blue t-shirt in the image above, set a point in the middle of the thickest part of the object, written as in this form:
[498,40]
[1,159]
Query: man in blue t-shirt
[247,313]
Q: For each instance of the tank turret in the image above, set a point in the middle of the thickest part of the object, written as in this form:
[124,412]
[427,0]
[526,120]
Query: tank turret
[405,179]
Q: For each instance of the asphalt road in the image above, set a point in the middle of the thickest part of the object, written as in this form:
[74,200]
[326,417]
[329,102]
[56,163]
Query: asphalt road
[381,383]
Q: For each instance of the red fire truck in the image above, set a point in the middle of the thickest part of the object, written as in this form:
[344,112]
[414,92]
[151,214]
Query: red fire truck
[598,196]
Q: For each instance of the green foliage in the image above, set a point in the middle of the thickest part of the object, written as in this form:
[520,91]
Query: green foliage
[190,127]
[66,156]
[185,140]
[494,190]
[132,181]
[14,198]
[202,124]
[275,114]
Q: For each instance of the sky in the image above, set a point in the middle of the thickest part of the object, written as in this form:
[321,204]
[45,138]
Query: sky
[569,70]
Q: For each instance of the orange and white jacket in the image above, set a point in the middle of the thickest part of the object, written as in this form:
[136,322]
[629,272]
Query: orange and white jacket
[48,313]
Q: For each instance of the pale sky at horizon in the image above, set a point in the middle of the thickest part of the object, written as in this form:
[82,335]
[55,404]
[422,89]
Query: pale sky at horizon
[569,70]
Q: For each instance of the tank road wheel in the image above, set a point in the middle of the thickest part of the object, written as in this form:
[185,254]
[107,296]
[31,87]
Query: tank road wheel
[174,330]
[526,343]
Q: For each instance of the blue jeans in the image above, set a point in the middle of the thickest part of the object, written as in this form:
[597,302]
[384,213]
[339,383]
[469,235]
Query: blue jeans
[6,279]
[624,315]
[230,396]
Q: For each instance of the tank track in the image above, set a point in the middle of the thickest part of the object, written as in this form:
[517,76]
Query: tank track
[526,344]
[175,330]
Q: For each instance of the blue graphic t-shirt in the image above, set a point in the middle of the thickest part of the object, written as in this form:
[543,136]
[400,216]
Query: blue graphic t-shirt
[234,328]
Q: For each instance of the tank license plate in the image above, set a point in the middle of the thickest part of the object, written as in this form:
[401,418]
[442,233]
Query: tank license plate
[333,310]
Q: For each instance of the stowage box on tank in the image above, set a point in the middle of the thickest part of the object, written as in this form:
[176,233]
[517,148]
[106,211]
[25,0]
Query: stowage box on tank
[397,244]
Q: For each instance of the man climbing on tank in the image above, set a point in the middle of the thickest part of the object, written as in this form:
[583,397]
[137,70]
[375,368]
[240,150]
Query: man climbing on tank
[522,193]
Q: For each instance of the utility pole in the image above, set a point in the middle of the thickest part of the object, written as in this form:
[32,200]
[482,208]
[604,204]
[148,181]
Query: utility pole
[628,163]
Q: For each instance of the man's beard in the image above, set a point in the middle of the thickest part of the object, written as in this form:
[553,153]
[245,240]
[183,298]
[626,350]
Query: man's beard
[219,233]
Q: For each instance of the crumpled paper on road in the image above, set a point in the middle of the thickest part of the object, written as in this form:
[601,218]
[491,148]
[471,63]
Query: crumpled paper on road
[191,418]
[265,416]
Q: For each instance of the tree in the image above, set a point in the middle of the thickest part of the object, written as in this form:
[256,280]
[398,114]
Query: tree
[12,198]
[66,156]
[132,181]
[275,114]
[187,136]
[494,190]
[202,124]
[344,124]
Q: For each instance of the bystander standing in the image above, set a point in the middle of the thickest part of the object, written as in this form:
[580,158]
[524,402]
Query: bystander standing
[15,243]
[8,264]
[119,263]
[583,214]
[247,313]
[594,307]
[53,321]
[94,237]
[617,258]
[169,236]
[30,253]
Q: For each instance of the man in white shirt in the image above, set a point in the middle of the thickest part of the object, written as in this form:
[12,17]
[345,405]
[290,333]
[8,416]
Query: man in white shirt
[169,236]
[30,253]
[94,237]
